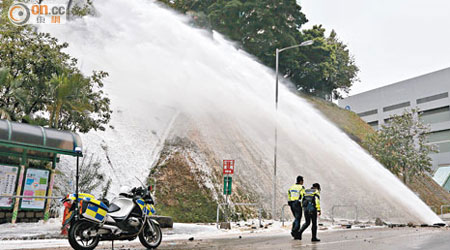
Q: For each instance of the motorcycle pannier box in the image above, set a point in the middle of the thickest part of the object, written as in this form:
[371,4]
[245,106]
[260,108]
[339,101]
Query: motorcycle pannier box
[93,210]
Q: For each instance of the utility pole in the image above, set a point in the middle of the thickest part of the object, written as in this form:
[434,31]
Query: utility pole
[277,52]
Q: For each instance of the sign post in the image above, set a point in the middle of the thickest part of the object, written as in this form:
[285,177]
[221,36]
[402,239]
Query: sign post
[228,170]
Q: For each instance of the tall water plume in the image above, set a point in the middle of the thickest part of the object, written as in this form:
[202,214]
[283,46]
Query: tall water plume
[160,66]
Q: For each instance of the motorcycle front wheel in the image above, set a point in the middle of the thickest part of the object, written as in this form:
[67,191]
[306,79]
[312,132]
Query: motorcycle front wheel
[151,239]
[79,237]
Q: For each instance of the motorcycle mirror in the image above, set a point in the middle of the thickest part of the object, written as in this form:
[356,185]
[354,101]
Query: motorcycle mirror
[140,182]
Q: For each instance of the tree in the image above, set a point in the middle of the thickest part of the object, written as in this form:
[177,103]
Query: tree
[90,176]
[401,145]
[40,84]
[325,69]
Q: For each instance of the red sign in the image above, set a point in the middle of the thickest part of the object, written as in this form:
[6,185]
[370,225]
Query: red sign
[228,166]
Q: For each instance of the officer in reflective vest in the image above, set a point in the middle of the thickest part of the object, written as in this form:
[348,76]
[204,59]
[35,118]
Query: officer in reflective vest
[311,207]
[295,195]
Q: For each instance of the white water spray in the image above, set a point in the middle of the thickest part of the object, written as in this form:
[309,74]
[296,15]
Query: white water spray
[160,66]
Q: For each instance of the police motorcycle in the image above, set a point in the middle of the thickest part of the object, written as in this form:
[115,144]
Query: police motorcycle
[127,218]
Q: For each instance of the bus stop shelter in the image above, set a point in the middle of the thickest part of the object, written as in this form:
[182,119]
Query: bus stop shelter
[25,187]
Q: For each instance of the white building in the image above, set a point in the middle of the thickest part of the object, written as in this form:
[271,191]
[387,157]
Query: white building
[429,93]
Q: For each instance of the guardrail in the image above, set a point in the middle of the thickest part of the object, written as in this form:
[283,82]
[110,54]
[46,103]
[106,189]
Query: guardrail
[19,197]
[282,214]
[239,204]
[30,197]
[347,206]
[442,209]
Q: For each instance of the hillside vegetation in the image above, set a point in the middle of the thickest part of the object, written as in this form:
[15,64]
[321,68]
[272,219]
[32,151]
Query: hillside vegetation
[424,186]
[189,184]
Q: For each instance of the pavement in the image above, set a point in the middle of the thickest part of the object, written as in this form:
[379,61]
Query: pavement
[354,239]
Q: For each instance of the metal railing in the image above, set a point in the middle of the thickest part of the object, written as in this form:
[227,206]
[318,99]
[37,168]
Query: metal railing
[239,204]
[282,214]
[347,206]
[17,198]
[31,197]
[442,209]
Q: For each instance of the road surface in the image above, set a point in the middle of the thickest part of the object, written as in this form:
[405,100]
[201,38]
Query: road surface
[368,239]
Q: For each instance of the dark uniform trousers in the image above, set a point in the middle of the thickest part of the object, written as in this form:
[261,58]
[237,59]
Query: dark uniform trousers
[308,218]
[296,209]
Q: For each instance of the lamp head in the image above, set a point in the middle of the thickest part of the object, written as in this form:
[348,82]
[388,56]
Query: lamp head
[78,150]
[307,43]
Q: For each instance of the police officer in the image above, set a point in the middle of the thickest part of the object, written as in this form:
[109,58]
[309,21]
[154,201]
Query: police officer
[311,207]
[295,195]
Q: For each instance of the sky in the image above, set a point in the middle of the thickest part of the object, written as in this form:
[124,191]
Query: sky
[391,40]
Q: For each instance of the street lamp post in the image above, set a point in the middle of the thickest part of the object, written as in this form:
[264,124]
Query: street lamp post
[278,51]
[77,177]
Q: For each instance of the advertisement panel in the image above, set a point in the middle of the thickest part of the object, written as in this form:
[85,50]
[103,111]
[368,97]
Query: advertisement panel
[8,180]
[36,183]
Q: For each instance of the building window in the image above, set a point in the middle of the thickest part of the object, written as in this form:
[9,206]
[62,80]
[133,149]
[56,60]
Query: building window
[436,115]
[441,139]
[367,113]
[397,106]
[387,121]
[443,147]
[432,98]
[373,124]
[439,136]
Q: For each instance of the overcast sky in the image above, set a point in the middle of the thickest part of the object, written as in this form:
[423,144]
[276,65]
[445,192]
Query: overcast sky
[391,40]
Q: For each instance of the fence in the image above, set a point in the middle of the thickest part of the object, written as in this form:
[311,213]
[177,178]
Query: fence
[19,197]
[442,209]
[30,197]
[332,212]
[239,204]
[345,206]
[282,214]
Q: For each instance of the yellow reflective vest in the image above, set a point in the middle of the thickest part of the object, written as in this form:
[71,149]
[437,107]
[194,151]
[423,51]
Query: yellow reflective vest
[314,196]
[296,192]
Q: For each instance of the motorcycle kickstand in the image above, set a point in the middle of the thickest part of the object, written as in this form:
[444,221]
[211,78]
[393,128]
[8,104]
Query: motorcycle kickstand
[112,245]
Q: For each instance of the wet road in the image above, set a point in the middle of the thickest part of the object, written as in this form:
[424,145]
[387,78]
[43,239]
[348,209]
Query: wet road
[383,239]
[366,239]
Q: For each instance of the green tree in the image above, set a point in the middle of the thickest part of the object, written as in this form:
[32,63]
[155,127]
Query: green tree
[325,69]
[90,176]
[40,84]
[401,145]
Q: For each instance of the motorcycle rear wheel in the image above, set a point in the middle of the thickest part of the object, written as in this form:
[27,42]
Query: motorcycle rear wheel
[78,239]
[148,239]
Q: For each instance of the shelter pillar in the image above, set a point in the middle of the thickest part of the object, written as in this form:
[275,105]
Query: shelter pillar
[50,190]
[18,192]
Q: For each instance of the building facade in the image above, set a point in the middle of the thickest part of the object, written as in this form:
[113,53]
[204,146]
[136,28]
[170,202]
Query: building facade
[429,93]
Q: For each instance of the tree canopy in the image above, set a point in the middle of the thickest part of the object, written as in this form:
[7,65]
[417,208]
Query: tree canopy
[401,145]
[40,83]
[324,69]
